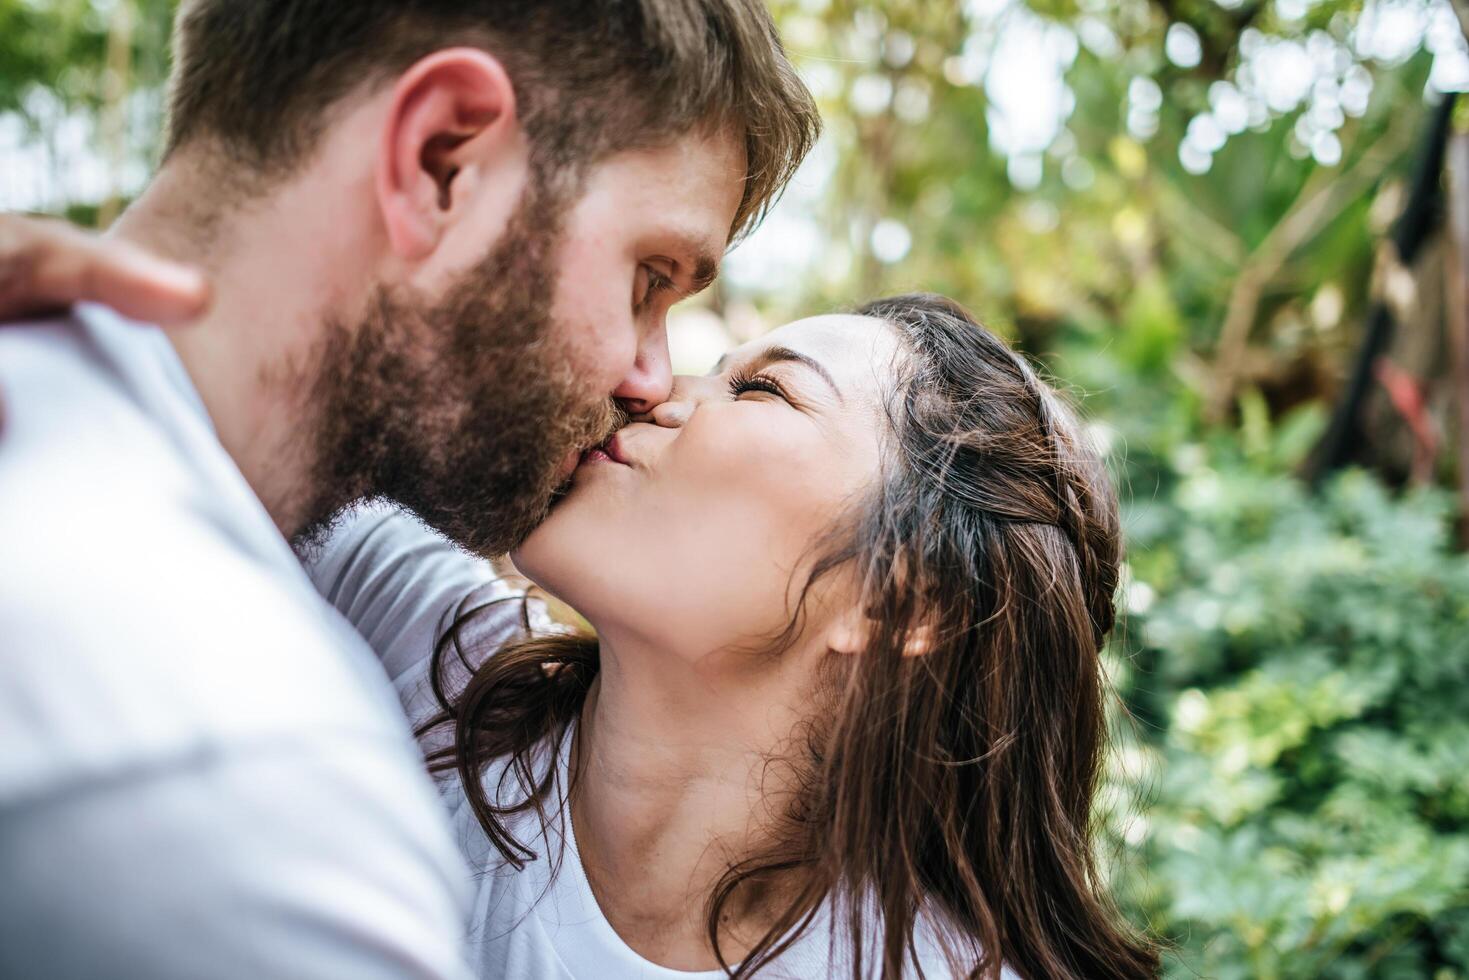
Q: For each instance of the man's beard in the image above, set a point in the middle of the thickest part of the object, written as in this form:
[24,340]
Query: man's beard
[460,409]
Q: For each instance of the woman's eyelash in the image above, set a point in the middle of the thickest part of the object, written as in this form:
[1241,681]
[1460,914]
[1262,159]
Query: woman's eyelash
[740,384]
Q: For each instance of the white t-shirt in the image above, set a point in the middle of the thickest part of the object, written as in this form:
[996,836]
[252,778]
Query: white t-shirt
[402,586]
[203,772]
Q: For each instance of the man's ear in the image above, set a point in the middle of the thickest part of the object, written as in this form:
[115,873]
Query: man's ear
[451,120]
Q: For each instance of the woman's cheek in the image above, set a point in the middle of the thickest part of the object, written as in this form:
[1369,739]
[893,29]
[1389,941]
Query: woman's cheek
[746,437]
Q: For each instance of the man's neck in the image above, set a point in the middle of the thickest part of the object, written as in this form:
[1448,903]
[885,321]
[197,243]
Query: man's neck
[674,784]
[251,355]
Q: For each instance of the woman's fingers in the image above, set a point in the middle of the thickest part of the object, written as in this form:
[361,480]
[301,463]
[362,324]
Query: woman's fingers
[47,265]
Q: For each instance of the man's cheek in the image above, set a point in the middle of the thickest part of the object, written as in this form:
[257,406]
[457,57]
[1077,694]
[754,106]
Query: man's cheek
[616,352]
[596,371]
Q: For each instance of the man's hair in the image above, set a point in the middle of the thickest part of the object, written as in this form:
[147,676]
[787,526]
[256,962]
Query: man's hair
[257,78]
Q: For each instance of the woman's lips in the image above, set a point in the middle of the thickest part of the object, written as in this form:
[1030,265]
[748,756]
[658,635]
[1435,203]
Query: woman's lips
[607,452]
[613,448]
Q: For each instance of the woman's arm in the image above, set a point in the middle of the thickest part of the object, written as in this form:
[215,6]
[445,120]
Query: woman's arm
[48,265]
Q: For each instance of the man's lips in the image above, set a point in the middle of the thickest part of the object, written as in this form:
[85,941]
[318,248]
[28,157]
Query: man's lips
[568,466]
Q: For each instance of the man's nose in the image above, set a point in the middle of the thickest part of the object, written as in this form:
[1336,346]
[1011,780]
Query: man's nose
[651,379]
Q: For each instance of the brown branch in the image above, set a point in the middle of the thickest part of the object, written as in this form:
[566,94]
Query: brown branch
[1324,196]
[1461,10]
[117,79]
[1457,286]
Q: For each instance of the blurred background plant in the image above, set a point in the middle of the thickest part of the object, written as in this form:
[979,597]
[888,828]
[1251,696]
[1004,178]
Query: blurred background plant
[1179,208]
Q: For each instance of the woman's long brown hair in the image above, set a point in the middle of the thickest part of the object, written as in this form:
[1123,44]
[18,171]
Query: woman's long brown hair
[950,791]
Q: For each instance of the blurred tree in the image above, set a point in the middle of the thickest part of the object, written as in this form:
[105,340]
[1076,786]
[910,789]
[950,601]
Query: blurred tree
[1024,158]
[80,101]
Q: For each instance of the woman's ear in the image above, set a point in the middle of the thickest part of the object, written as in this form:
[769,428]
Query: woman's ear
[451,131]
[920,641]
[849,631]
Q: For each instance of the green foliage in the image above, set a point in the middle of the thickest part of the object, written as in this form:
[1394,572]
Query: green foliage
[84,80]
[1298,796]
[61,47]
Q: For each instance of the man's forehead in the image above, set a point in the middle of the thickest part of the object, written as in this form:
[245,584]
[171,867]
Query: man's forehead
[699,160]
[694,173]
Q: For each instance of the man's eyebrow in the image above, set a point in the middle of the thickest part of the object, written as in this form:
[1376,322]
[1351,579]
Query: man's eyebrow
[706,270]
[702,259]
[779,354]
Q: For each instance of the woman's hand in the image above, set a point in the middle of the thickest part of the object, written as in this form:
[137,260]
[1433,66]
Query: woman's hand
[47,265]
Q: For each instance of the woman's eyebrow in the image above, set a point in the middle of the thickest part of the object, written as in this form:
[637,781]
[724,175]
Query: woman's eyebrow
[778,354]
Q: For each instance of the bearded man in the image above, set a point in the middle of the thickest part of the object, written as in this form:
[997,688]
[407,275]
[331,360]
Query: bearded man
[442,239]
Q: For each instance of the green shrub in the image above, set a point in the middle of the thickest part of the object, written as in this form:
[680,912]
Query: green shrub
[1293,789]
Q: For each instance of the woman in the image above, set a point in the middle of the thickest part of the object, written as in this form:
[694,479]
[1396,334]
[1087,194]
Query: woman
[844,709]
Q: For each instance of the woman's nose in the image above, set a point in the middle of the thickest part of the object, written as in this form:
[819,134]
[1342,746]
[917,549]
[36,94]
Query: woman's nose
[671,414]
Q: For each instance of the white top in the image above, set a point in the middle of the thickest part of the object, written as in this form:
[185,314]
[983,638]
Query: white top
[202,770]
[402,586]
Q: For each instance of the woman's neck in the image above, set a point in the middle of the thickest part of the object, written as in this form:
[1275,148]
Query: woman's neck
[673,785]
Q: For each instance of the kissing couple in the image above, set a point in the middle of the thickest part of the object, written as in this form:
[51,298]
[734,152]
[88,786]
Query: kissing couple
[271,706]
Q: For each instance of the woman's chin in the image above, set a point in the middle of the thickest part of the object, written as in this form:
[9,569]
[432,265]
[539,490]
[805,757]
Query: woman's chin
[537,554]
[524,560]
[567,552]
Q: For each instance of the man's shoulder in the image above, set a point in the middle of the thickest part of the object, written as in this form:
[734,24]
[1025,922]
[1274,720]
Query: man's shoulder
[73,418]
[96,487]
[147,607]
[142,635]
[87,347]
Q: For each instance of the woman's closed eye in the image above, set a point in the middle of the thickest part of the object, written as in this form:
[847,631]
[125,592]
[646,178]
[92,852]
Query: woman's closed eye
[742,384]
